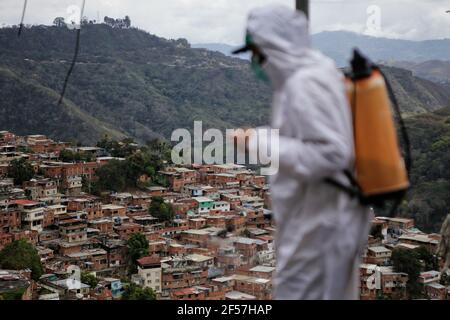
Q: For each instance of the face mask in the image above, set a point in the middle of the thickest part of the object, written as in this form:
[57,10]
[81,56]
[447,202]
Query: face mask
[257,61]
[258,70]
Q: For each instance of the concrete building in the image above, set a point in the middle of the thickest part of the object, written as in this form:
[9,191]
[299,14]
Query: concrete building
[150,271]
[32,214]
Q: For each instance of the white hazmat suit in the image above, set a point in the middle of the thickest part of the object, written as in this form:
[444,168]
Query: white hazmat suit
[321,231]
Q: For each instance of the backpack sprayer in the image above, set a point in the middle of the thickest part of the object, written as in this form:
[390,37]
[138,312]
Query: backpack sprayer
[380,172]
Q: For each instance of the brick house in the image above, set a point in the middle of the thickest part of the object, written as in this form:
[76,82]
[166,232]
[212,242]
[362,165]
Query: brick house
[127,229]
[103,225]
[436,291]
[111,210]
[10,218]
[378,255]
[207,292]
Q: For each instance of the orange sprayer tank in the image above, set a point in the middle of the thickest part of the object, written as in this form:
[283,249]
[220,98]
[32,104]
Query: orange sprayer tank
[380,168]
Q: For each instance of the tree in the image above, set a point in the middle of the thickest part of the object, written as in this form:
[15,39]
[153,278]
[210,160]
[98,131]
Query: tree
[134,292]
[20,255]
[59,22]
[127,21]
[222,233]
[109,21]
[122,149]
[161,210]
[20,170]
[376,232]
[137,248]
[89,279]
[159,152]
[70,156]
[246,233]
[407,261]
[118,23]
[429,260]
[445,279]
[84,20]
[119,175]
[12,295]
[111,176]
[230,229]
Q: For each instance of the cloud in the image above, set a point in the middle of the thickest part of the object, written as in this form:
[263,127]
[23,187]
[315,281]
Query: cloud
[223,21]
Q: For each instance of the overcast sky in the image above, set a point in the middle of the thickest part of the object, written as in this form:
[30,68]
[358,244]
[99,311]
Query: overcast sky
[223,21]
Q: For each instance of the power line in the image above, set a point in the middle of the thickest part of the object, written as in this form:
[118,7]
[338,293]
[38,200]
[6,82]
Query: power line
[75,56]
[25,3]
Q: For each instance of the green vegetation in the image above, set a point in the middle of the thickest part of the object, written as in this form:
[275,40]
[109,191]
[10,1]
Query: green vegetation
[416,94]
[137,248]
[222,234]
[70,156]
[122,149]
[161,210]
[112,177]
[20,170]
[445,279]
[127,83]
[119,175]
[89,279]
[428,201]
[134,292]
[246,233]
[428,260]
[412,262]
[376,232]
[12,295]
[29,107]
[20,255]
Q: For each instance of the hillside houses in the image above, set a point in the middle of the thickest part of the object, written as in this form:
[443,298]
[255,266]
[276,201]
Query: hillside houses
[218,244]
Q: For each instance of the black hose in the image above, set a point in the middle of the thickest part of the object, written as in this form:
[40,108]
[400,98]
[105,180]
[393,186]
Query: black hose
[404,131]
[406,140]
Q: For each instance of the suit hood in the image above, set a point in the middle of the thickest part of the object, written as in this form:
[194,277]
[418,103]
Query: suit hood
[283,35]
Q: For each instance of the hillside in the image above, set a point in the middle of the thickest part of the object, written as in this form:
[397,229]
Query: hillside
[416,95]
[222,48]
[129,82]
[141,85]
[339,45]
[18,113]
[434,70]
[429,198]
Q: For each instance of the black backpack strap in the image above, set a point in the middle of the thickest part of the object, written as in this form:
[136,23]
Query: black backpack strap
[353,190]
[403,129]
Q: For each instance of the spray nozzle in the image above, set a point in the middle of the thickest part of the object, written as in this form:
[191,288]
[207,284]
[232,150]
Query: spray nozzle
[361,65]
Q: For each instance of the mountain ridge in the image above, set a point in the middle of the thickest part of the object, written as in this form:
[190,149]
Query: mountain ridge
[128,82]
[137,82]
[339,45]
[437,71]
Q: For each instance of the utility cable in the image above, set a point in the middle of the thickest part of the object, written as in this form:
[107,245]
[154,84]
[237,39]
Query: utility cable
[25,3]
[75,56]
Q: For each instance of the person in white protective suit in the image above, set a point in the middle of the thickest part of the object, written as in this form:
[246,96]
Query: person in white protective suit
[321,231]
